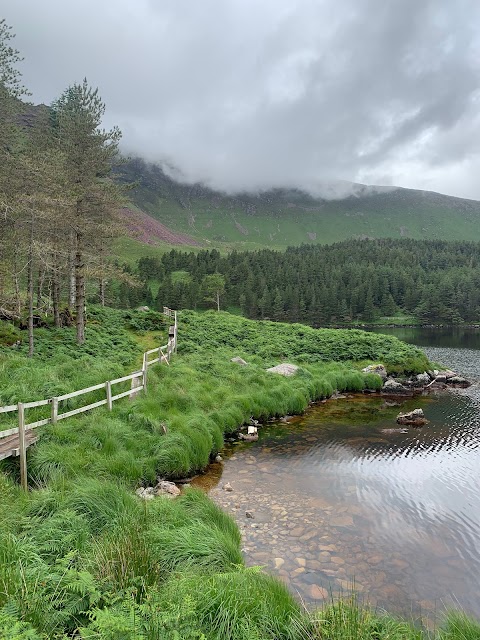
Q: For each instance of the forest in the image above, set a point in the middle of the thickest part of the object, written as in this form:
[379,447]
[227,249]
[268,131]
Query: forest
[433,281]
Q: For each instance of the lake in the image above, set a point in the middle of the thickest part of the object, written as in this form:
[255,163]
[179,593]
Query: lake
[342,496]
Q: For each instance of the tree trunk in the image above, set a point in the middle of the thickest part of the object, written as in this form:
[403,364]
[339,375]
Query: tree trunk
[31,345]
[218,301]
[71,280]
[16,283]
[56,293]
[41,278]
[80,289]
[102,291]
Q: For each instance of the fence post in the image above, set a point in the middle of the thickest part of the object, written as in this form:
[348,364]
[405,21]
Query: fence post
[175,336]
[108,387]
[22,448]
[54,415]
[144,372]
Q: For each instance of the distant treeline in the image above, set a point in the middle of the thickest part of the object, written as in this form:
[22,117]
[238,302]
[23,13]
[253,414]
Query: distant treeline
[435,281]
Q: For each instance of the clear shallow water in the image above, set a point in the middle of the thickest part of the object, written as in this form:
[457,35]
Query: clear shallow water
[341,494]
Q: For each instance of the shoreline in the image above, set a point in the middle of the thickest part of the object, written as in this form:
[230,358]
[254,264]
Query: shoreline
[394,325]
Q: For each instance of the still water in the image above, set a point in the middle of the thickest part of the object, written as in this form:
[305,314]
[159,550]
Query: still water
[342,494]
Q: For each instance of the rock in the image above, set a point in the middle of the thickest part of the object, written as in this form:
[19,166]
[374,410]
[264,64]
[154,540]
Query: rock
[218,458]
[389,431]
[252,430]
[239,360]
[284,369]
[448,373]
[342,521]
[415,418]
[145,493]
[379,369]
[145,308]
[279,562]
[165,488]
[458,380]
[249,514]
[391,386]
[248,438]
[227,487]
[317,593]
[423,378]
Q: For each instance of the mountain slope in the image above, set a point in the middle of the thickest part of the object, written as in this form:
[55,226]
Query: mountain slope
[280,218]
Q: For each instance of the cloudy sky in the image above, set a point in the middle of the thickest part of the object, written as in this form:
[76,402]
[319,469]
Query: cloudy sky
[249,94]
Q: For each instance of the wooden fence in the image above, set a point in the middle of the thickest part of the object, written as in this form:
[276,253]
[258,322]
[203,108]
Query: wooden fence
[14,442]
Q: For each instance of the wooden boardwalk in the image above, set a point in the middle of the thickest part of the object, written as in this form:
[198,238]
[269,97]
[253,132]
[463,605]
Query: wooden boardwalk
[10,446]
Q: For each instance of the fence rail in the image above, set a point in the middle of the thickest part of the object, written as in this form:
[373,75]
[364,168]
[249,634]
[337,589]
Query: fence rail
[14,441]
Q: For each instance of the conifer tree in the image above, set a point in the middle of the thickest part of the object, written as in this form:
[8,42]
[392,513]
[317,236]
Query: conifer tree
[90,153]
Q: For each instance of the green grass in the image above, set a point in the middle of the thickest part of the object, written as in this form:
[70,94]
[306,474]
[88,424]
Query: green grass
[82,556]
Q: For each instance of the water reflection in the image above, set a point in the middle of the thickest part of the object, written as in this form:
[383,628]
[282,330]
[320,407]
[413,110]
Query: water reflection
[452,337]
[343,493]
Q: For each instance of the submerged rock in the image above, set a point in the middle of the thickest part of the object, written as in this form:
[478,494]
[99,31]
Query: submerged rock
[415,418]
[252,437]
[284,369]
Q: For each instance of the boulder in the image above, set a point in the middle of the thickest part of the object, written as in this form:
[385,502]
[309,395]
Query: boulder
[415,418]
[423,378]
[379,369]
[165,488]
[239,360]
[284,369]
[392,386]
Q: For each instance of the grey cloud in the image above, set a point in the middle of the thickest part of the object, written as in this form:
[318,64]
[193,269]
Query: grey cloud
[244,94]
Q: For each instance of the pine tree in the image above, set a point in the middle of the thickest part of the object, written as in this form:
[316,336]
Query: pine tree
[90,153]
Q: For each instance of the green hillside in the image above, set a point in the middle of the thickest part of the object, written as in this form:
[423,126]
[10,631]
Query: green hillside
[281,218]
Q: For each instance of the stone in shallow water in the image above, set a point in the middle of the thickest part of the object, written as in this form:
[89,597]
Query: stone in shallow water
[342,521]
[279,562]
[317,593]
